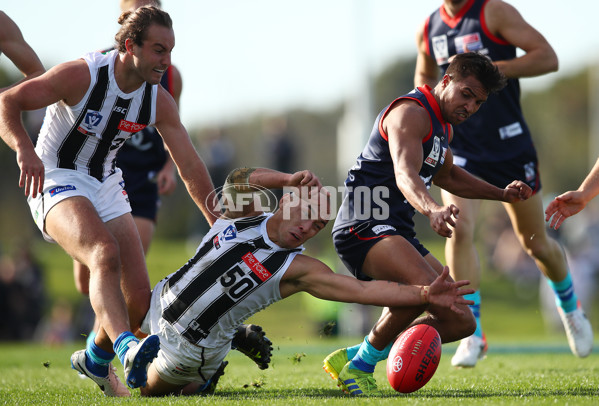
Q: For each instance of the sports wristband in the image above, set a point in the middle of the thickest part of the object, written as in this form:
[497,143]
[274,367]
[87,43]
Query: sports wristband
[424,294]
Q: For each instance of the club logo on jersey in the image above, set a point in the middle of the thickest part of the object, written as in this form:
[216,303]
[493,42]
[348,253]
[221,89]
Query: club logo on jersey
[468,43]
[59,189]
[229,233]
[130,126]
[381,228]
[256,266]
[440,49]
[215,242]
[91,120]
[433,156]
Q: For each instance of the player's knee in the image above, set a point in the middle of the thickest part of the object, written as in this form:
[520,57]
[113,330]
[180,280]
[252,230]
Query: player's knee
[105,257]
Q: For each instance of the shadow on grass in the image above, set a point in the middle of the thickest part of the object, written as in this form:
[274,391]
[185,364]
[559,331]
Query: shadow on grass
[269,394]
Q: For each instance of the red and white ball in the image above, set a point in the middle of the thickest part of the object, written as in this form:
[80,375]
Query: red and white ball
[414,358]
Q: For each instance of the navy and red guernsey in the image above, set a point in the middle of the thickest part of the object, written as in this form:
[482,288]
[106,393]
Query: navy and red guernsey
[497,132]
[371,189]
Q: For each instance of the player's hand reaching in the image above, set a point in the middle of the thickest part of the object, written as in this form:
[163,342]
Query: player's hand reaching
[516,191]
[442,219]
[305,178]
[564,206]
[445,292]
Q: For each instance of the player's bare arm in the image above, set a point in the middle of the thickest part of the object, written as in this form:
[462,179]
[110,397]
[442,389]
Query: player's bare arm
[191,168]
[569,203]
[427,71]
[314,277]
[505,22]
[35,94]
[245,180]
[406,126]
[14,46]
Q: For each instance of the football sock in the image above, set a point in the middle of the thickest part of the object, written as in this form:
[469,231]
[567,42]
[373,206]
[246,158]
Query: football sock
[368,356]
[90,338]
[121,345]
[352,351]
[564,294]
[97,360]
[475,297]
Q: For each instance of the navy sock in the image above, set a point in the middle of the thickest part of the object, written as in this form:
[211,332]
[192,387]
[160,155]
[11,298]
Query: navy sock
[97,360]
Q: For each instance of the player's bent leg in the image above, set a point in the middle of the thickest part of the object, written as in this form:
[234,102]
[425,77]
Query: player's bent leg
[460,252]
[135,281]
[528,221]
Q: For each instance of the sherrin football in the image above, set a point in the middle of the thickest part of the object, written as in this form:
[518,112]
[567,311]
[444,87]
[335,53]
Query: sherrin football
[414,358]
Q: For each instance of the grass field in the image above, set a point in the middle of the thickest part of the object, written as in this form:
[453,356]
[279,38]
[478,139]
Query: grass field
[526,364]
[540,374]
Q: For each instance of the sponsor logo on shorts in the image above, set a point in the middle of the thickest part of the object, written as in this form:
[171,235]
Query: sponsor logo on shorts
[59,189]
[130,126]
[381,228]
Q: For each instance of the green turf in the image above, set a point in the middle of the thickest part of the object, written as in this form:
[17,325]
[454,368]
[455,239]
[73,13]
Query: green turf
[527,364]
[541,374]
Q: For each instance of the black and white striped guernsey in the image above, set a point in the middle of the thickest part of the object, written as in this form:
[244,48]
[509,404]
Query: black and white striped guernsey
[235,273]
[87,136]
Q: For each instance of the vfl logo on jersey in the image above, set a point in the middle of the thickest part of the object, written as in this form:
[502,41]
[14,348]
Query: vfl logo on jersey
[215,242]
[229,233]
[256,266]
[380,228]
[440,49]
[59,189]
[92,119]
[433,156]
[468,43]
[443,155]
[130,126]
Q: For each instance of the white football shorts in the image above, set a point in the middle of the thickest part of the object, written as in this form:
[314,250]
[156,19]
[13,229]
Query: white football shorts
[179,362]
[109,197]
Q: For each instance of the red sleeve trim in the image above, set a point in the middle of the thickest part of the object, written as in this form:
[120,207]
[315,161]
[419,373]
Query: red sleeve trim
[483,24]
[425,35]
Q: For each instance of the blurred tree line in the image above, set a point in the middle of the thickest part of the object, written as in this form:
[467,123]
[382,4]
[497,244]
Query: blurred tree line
[558,117]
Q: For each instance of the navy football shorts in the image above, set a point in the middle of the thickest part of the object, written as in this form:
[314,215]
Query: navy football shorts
[353,243]
[523,167]
[143,194]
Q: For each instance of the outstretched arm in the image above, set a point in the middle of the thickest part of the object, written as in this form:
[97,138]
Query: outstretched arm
[461,183]
[249,180]
[312,276]
[570,203]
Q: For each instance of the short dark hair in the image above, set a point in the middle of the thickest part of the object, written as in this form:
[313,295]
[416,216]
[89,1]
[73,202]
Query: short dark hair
[135,23]
[479,66]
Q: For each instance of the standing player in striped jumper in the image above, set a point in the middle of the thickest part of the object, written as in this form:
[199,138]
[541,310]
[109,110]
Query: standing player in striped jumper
[75,191]
[149,172]
[247,261]
[496,146]
[407,152]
